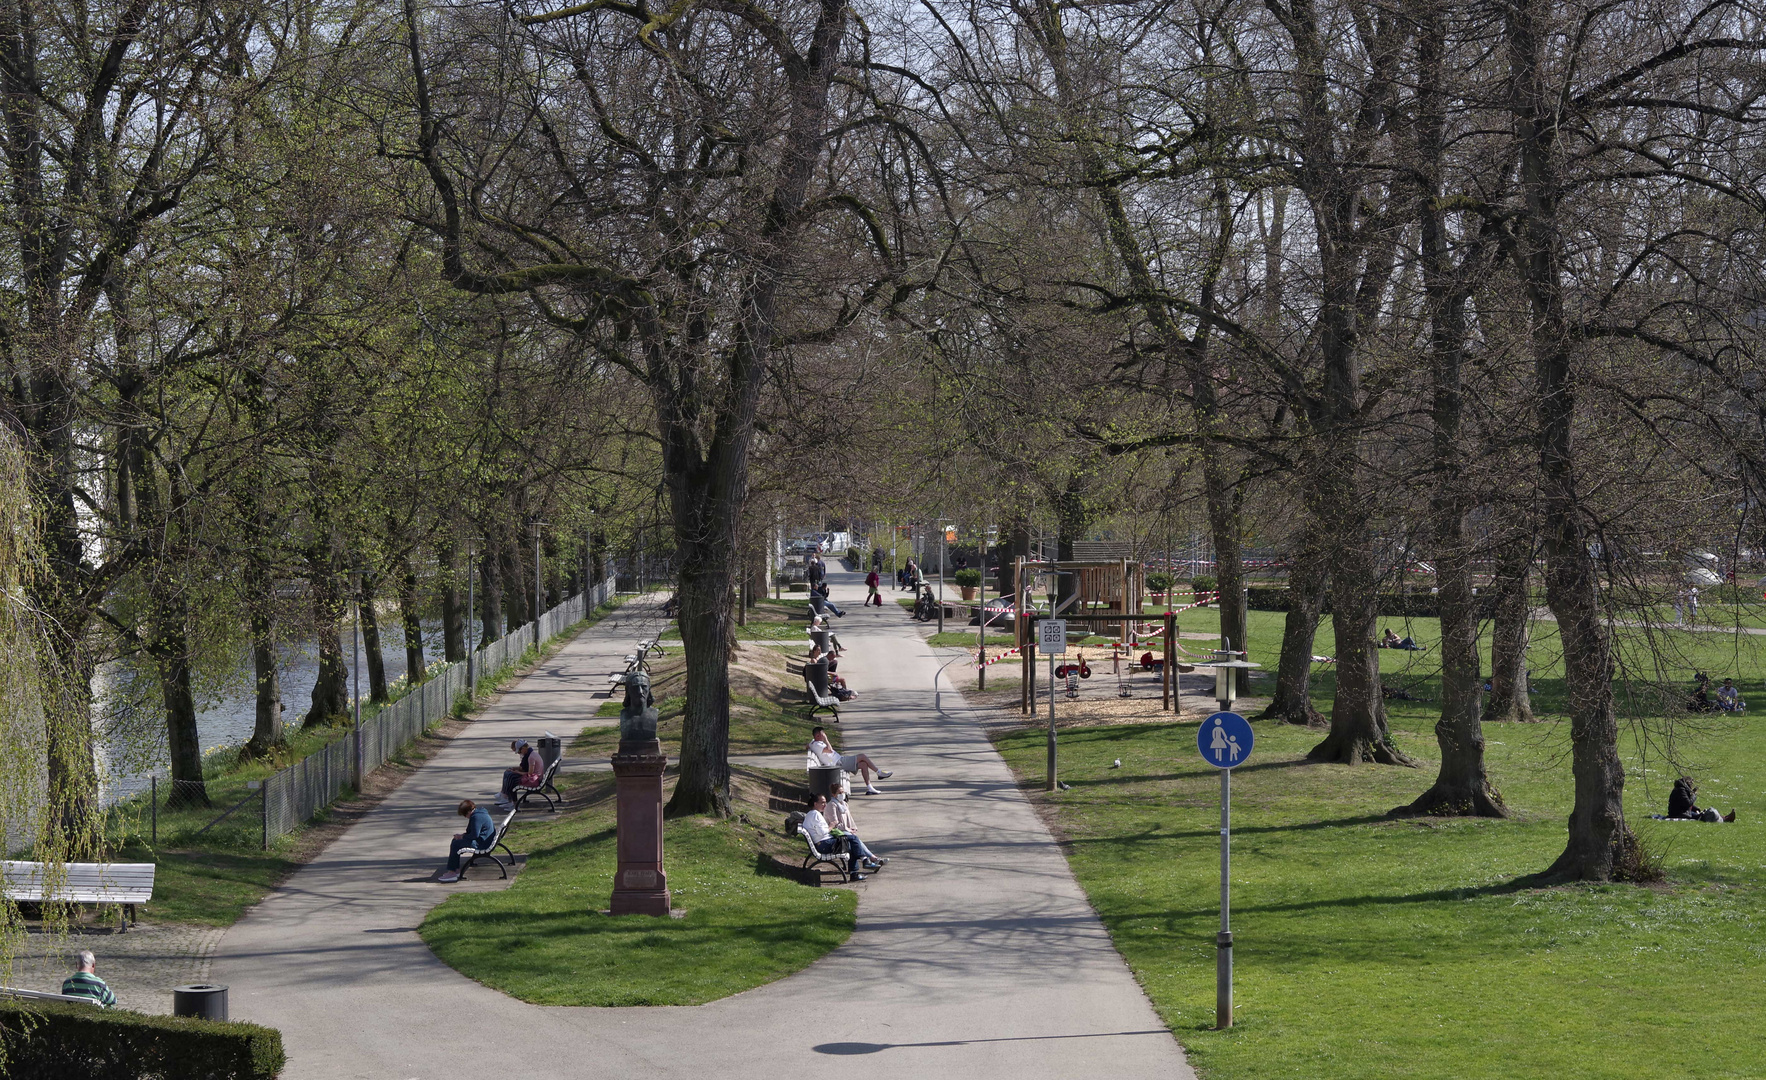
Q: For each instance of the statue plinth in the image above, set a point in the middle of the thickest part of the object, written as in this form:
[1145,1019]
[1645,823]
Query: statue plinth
[640,887]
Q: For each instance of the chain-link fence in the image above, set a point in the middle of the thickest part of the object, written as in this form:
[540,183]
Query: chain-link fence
[294,795]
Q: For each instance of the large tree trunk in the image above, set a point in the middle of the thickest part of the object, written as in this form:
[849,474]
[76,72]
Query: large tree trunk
[371,651]
[1358,709]
[266,732]
[490,594]
[415,668]
[1462,787]
[1307,579]
[517,596]
[453,606]
[1229,567]
[331,690]
[1600,846]
[1508,700]
[169,646]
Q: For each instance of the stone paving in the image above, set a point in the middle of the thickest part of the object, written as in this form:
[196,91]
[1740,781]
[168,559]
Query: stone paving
[141,966]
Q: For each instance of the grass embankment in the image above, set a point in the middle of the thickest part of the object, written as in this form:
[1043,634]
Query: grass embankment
[1372,947]
[768,713]
[738,926]
[768,620]
[210,877]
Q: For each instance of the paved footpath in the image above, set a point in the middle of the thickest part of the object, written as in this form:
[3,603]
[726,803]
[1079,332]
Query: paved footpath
[976,955]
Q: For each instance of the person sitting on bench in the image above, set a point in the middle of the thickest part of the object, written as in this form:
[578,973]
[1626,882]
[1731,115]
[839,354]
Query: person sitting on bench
[532,773]
[1682,808]
[823,755]
[480,831]
[85,983]
[839,816]
[821,605]
[1729,697]
[822,837]
[836,685]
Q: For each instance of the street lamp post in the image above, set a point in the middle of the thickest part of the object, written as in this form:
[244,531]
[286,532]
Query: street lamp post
[471,616]
[941,537]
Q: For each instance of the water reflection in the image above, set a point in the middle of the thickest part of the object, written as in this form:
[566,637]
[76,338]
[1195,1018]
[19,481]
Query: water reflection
[229,721]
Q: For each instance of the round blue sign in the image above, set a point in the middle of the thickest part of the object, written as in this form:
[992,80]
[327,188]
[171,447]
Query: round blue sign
[1224,740]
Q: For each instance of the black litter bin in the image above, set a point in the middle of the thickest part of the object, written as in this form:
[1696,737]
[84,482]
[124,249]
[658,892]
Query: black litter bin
[205,1000]
[822,779]
[551,748]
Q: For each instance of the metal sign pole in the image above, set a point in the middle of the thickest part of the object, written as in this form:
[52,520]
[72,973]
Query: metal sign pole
[1051,783]
[471,616]
[1223,962]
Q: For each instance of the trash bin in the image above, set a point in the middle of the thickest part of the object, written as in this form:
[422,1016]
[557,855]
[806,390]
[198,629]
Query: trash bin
[205,1000]
[822,779]
[551,748]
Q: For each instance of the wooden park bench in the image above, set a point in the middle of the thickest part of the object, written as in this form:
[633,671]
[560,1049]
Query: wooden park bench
[124,884]
[489,851]
[543,789]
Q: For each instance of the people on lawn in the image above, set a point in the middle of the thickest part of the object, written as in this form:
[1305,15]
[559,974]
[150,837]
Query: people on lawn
[822,838]
[530,773]
[1701,693]
[85,983]
[839,817]
[823,755]
[1729,697]
[480,831]
[1393,641]
[1682,807]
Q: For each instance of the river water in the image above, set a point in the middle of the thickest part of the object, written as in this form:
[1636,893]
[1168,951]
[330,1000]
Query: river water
[227,720]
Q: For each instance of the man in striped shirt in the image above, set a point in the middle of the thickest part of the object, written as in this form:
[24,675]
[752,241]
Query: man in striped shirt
[86,983]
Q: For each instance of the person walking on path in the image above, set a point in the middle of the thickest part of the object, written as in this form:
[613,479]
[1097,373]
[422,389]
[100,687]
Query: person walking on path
[872,580]
[876,560]
[85,983]
[480,831]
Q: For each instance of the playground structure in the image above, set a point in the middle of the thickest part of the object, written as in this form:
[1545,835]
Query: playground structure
[1107,594]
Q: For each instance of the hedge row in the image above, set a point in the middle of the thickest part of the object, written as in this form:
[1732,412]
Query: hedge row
[1392,605]
[54,1040]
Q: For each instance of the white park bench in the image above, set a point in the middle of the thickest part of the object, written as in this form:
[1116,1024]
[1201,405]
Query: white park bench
[124,884]
[543,789]
[468,856]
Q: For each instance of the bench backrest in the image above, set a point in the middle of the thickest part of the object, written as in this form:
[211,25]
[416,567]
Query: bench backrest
[118,883]
[38,995]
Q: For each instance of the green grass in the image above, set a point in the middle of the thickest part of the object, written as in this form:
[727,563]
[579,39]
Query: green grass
[959,638]
[543,941]
[1369,947]
[758,725]
[1374,948]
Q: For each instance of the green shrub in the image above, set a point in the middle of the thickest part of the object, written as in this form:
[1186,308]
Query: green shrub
[1202,583]
[1160,582]
[54,1040]
[968,577]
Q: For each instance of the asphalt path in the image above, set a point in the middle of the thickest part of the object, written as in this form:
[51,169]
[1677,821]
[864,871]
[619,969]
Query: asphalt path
[975,955]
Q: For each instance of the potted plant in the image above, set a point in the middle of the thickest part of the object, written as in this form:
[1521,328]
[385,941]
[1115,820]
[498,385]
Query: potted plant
[1201,585]
[1161,582]
[968,579]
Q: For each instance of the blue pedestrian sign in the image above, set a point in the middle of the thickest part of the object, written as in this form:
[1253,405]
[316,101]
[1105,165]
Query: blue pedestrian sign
[1225,740]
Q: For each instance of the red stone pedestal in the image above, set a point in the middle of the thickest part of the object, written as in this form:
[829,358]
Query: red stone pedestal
[639,885]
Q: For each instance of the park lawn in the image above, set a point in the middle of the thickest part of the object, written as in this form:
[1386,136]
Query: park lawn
[1374,948]
[543,940]
[768,620]
[1371,947]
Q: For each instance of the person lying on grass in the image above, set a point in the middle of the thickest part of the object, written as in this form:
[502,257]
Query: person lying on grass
[1393,641]
[823,839]
[480,831]
[839,818]
[823,755]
